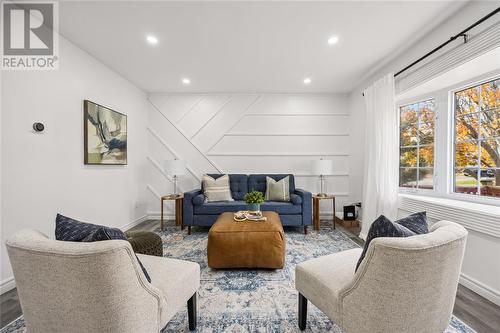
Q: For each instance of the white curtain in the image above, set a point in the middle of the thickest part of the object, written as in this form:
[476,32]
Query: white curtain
[380,184]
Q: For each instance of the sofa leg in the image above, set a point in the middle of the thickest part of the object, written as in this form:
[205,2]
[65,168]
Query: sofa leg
[192,312]
[189,230]
[302,312]
[305,230]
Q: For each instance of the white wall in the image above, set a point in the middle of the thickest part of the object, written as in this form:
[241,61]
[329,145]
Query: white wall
[477,274]
[44,174]
[249,133]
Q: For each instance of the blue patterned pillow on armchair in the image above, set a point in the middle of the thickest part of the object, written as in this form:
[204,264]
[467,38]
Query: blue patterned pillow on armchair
[68,229]
[412,225]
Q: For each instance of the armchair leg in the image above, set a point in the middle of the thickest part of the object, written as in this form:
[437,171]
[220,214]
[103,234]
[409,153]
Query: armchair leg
[302,312]
[305,230]
[189,230]
[191,303]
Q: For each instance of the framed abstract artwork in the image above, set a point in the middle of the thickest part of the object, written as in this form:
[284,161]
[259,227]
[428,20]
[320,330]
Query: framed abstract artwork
[105,135]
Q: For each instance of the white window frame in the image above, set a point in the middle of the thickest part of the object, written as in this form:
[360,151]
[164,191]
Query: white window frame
[451,142]
[444,137]
[398,106]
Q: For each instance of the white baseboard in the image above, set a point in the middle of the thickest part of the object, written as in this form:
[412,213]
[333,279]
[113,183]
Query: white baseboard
[480,288]
[157,215]
[134,223]
[7,284]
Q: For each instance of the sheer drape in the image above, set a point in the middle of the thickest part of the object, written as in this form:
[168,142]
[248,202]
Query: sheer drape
[380,185]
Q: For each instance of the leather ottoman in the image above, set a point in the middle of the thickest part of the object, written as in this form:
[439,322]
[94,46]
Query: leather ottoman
[247,244]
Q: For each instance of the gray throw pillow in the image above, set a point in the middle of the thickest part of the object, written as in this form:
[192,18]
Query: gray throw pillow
[277,190]
[216,189]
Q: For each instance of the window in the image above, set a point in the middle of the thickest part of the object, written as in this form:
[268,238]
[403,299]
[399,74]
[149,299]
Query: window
[416,145]
[477,140]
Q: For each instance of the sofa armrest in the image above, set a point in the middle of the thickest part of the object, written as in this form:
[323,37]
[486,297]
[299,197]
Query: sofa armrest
[187,206]
[306,206]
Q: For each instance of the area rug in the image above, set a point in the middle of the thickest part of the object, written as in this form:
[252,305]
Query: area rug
[252,300]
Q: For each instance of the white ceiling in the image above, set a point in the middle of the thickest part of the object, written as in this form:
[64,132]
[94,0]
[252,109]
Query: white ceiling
[247,46]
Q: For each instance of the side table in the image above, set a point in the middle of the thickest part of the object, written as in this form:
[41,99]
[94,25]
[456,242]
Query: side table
[316,201]
[179,199]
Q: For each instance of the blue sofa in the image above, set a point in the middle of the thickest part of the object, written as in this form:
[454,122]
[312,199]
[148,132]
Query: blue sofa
[297,212]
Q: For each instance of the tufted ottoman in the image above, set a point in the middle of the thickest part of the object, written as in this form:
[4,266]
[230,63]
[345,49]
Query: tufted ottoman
[145,242]
[249,244]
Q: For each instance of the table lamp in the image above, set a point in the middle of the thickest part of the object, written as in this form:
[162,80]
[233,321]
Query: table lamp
[175,168]
[321,167]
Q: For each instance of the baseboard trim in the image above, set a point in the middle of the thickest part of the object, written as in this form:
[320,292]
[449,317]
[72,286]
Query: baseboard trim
[134,223]
[7,285]
[480,288]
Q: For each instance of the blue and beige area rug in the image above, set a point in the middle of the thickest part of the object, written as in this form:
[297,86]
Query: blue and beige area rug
[252,300]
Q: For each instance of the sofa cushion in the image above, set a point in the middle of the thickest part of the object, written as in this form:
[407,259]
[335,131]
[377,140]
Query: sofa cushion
[278,190]
[198,199]
[238,183]
[280,207]
[258,182]
[216,189]
[182,282]
[214,208]
[295,199]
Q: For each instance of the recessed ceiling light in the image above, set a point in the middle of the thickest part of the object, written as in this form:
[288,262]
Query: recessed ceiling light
[333,40]
[152,39]
[186,81]
[307,80]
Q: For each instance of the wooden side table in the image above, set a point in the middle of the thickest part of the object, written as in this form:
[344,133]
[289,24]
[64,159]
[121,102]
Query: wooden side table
[316,217]
[179,199]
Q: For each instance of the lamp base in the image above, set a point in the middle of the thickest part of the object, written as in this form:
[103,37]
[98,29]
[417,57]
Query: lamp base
[322,195]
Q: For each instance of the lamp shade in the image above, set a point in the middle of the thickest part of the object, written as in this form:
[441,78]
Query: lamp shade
[175,167]
[321,167]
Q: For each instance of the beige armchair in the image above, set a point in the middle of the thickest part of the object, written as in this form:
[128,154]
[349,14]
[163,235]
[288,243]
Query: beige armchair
[98,287]
[402,285]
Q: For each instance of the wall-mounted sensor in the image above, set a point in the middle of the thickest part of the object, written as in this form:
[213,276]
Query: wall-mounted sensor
[38,127]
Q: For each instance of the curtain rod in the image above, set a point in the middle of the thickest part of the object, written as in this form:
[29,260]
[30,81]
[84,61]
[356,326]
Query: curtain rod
[462,33]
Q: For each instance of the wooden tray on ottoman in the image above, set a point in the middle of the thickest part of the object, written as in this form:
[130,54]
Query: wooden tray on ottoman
[247,244]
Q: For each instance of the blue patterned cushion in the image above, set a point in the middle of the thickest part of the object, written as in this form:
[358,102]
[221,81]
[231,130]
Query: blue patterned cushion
[416,222]
[68,229]
[383,227]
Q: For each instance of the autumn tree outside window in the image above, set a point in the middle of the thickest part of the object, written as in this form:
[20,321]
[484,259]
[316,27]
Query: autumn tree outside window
[416,145]
[477,140]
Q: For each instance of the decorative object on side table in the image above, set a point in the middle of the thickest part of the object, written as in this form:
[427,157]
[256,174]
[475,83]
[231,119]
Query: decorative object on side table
[105,135]
[321,168]
[316,201]
[179,199]
[175,168]
[253,200]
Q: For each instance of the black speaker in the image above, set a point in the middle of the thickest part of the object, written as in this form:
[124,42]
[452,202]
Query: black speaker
[349,213]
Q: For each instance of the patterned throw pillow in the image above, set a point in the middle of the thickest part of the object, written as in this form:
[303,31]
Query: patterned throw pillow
[277,190]
[71,230]
[216,189]
[383,227]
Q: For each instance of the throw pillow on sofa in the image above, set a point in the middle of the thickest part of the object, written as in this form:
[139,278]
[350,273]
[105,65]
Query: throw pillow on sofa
[71,230]
[412,225]
[277,190]
[216,189]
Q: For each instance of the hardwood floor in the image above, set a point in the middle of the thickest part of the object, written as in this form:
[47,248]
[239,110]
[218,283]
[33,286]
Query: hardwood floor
[476,311]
